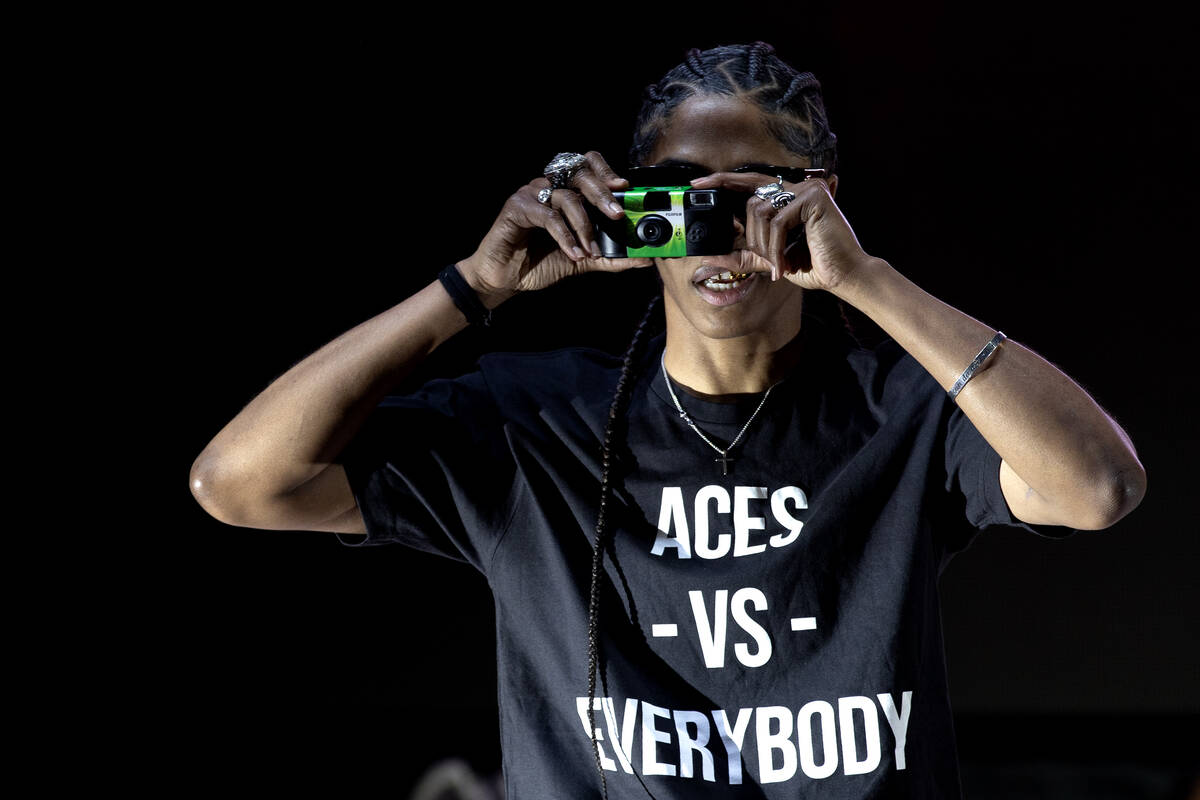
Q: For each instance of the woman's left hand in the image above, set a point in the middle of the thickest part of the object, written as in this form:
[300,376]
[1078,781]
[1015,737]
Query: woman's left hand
[832,254]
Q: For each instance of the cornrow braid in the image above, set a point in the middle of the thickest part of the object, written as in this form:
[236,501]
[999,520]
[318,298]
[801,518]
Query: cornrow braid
[790,100]
[802,81]
[758,51]
[616,419]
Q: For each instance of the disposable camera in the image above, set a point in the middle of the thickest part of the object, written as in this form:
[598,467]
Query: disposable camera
[667,222]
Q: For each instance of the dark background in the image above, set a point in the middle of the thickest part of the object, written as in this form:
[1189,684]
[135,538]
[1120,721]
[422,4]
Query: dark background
[1032,168]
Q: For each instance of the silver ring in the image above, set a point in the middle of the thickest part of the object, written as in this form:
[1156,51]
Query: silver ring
[562,168]
[770,190]
[781,199]
[543,196]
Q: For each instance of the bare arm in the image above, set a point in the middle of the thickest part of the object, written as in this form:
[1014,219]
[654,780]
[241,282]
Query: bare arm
[274,465]
[1064,460]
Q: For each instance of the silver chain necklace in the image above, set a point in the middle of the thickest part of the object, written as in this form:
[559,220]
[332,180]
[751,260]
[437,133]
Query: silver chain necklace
[724,459]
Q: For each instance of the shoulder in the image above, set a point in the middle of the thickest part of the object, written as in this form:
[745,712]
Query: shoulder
[512,385]
[574,360]
[547,376]
[563,367]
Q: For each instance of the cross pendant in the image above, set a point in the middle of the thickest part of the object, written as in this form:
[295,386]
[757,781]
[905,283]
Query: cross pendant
[724,459]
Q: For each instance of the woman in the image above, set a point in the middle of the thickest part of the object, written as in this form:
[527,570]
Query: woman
[743,519]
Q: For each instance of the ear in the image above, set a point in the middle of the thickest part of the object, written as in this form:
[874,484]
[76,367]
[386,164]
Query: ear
[832,180]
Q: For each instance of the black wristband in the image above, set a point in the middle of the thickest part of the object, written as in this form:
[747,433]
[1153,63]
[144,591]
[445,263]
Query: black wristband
[464,296]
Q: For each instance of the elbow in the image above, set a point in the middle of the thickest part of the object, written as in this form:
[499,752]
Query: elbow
[214,489]
[1116,496]
[1129,489]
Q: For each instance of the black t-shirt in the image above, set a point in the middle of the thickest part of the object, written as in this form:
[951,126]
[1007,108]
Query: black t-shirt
[773,632]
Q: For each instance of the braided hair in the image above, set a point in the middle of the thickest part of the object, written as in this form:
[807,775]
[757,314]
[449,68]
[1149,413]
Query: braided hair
[795,116]
[615,426]
[790,100]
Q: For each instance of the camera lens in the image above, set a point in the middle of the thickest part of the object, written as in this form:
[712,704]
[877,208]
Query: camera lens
[653,230]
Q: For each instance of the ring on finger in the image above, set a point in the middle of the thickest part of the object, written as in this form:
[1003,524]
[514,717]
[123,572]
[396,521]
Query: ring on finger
[543,195]
[768,191]
[781,199]
[562,168]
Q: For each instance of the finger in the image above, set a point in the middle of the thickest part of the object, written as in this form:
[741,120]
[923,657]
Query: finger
[811,196]
[618,264]
[737,181]
[821,182]
[595,187]
[752,262]
[604,171]
[749,181]
[752,227]
[789,223]
[782,224]
[543,216]
[759,215]
[570,205]
[797,252]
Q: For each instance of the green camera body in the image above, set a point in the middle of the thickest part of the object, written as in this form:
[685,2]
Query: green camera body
[666,222]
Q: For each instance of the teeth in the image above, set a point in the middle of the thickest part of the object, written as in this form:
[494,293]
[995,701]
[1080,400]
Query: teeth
[725,281]
[725,277]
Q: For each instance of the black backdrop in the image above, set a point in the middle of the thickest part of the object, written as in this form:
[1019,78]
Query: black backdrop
[1033,171]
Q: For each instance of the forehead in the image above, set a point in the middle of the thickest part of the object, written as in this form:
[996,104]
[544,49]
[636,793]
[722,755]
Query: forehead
[721,132]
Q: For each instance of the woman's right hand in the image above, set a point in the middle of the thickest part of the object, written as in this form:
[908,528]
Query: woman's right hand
[531,245]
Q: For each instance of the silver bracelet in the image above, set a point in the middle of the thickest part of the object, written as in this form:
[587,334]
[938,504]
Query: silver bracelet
[974,366]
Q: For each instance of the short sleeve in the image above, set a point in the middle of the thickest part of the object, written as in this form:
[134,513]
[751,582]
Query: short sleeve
[973,473]
[433,471]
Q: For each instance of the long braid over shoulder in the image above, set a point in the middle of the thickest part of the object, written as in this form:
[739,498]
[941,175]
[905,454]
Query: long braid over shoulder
[612,434]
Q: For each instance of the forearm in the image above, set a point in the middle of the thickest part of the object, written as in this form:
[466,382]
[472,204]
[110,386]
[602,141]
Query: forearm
[288,434]
[1045,427]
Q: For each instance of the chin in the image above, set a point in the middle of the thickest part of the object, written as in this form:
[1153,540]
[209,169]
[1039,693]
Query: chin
[728,326]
